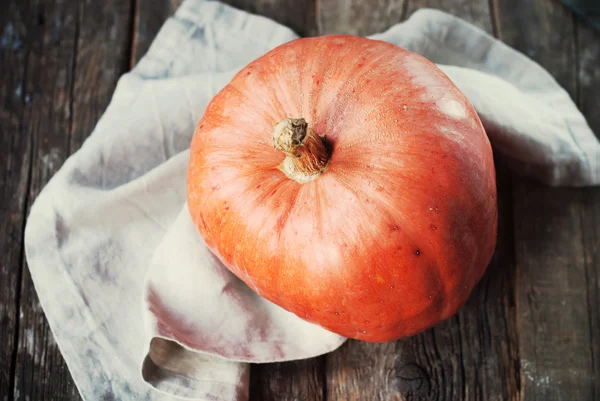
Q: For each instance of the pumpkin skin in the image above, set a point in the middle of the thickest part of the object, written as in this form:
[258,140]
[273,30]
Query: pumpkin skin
[392,237]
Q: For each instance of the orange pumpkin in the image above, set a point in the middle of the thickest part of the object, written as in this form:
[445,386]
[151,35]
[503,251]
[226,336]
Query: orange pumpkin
[348,181]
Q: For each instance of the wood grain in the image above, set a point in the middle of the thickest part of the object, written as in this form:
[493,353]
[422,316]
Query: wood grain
[588,45]
[472,356]
[76,57]
[556,334]
[359,17]
[555,229]
[297,15]
[15,154]
[588,74]
[298,380]
[48,40]
[588,88]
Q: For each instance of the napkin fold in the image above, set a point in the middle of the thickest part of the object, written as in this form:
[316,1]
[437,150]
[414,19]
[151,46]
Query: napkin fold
[140,309]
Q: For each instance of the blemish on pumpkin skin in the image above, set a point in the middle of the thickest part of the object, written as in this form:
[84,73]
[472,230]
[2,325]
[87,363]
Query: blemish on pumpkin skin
[433,227]
[380,279]
[417,252]
[395,228]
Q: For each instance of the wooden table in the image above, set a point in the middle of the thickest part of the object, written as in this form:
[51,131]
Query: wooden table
[531,329]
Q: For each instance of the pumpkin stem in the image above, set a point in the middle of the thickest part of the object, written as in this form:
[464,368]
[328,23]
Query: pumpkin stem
[307,156]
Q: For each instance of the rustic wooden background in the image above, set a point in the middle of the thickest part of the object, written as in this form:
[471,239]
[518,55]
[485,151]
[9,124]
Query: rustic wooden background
[530,331]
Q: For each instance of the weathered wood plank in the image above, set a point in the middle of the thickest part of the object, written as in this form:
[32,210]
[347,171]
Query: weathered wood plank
[555,229]
[556,335]
[298,380]
[359,17]
[15,153]
[49,42]
[472,355]
[588,46]
[76,57]
[588,74]
[298,15]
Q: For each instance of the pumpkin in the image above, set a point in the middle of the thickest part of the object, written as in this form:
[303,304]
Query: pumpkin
[348,181]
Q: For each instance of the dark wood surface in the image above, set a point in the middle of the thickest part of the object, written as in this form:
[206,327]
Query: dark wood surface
[531,329]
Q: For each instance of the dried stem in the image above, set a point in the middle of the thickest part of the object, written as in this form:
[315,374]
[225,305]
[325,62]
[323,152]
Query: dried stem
[307,156]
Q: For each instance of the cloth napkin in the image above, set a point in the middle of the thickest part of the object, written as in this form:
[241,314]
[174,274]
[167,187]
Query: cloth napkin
[139,307]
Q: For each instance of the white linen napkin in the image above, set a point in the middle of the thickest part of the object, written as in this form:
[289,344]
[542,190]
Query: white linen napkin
[138,306]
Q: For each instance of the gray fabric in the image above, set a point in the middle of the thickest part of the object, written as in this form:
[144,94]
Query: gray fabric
[100,237]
